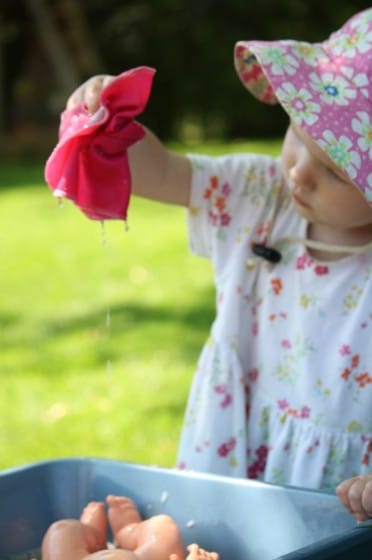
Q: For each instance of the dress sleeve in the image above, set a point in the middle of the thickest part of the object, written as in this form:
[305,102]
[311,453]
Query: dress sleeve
[230,201]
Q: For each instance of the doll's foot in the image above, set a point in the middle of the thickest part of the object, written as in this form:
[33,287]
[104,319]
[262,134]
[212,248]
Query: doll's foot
[156,538]
[94,516]
[197,553]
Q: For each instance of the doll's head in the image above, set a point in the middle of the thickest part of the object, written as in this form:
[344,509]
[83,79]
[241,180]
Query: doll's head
[326,89]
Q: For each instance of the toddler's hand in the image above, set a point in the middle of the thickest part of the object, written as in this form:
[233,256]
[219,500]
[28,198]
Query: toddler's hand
[356,495]
[89,92]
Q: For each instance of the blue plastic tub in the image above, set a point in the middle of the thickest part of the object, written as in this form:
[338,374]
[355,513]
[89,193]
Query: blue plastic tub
[241,519]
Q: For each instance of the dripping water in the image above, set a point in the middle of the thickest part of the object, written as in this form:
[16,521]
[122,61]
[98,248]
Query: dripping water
[103,233]
[108,318]
[104,242]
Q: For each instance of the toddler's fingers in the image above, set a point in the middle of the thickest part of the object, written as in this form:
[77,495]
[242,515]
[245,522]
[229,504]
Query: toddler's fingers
[342,492]
[89,93]
[350,492]
[367,496]
[93,91]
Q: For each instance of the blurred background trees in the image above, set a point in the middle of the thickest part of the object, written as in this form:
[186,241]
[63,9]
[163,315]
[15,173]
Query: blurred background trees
[48,47]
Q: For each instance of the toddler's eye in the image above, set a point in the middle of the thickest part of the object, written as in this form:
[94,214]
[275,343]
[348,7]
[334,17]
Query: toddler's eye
[332,172]
[337,174]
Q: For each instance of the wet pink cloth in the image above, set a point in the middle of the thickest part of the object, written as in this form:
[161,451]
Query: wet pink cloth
[89,165]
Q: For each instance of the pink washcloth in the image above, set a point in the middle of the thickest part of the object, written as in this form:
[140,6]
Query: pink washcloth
[89,165]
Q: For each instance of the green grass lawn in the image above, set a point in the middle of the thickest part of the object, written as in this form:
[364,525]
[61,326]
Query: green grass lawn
[100,329]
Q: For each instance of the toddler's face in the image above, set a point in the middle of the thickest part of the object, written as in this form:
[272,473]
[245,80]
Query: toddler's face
[320,191]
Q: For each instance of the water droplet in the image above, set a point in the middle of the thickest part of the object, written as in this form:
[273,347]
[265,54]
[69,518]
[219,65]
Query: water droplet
[60,202]
[164,496]
[103,233]
[108,318]
[109,367]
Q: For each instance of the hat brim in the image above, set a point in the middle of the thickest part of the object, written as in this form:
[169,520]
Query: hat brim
[322,93]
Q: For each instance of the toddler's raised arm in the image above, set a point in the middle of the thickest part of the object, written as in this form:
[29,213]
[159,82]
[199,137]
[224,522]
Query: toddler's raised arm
[157,173]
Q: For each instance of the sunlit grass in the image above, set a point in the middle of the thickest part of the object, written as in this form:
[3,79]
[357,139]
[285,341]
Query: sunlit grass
[100,329]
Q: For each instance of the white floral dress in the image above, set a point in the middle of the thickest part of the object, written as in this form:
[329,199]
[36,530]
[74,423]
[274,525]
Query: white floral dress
[283,387]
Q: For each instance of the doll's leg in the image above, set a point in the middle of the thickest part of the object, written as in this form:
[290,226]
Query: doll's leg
[82,540]
[156,538]
[73,539]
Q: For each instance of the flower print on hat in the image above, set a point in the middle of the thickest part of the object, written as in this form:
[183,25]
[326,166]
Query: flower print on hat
[324,87]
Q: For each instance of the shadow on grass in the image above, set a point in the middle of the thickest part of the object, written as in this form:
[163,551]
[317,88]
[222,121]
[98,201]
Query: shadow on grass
[130,329]
[124,316]
[182,328]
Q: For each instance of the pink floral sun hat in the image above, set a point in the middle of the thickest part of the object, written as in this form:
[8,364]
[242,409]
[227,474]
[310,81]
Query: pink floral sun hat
[325,88]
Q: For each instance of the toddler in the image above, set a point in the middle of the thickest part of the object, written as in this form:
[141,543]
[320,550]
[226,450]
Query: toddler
[283,386]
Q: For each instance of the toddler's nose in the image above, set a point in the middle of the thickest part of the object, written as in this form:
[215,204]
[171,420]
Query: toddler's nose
[302,173]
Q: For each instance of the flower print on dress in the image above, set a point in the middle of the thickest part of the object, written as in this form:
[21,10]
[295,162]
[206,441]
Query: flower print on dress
[248,378]
[351,300]
[258,191]
[345,350]
[227,447]
[366,456]
[355,427]
[251,188]
[259,464]
[321,389]
[356,375]
[333,470]
[218,196]
[227,398]
[321,269]
[310,449]
[304,261]
[302,413]
[300,103]
[308,301]
[312,302]
[340,151]
[282,315]
[289,367]
[217,374]
[276,286]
